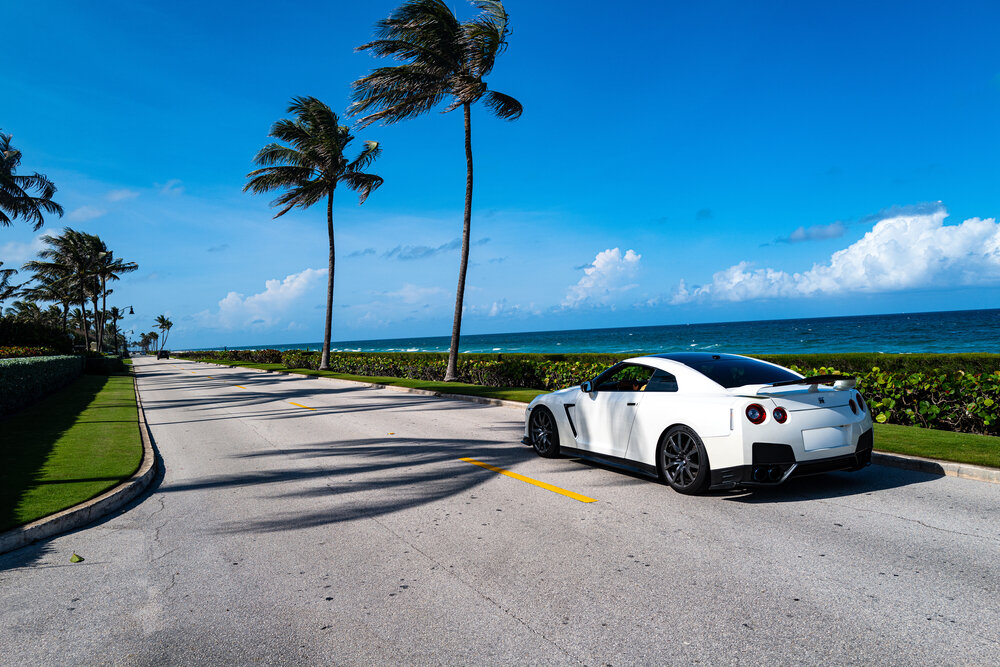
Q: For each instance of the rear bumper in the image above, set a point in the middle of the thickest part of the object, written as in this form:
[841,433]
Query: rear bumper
[774,463]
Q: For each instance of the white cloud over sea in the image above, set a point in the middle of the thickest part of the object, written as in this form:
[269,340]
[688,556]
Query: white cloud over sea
[610,274]
[903,252]
[269,307]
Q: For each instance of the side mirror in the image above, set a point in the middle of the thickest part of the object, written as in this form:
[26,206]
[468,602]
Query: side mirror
[587,387]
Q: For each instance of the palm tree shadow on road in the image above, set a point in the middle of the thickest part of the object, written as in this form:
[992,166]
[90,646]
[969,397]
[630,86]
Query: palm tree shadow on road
[378,477]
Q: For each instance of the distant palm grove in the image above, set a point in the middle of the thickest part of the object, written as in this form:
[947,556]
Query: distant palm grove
[438,59]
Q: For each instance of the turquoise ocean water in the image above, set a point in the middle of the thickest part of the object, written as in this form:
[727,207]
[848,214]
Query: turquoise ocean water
[951,331]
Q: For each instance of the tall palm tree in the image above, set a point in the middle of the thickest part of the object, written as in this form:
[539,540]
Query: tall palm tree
[114,316]
[7,289]
[108,268]
[164,325]
[16,200]
[309,170]
[72,257]
[442,59]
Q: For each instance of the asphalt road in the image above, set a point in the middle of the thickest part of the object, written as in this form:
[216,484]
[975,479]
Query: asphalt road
[349,531]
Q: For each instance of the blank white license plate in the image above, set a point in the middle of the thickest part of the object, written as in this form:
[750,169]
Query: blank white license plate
[824,438]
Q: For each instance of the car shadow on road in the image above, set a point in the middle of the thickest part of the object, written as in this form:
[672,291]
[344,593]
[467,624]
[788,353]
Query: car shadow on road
[378,476]
[832,485]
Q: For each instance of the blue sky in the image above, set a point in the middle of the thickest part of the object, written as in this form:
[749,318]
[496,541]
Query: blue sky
[676,162]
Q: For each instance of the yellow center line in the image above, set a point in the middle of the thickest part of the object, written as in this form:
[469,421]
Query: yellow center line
[240,386]
[302,406]
[535,482]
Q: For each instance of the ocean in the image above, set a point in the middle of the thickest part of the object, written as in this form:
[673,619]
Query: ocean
[950,331]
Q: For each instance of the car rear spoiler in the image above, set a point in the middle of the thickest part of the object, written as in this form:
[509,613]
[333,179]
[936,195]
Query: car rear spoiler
[839,381]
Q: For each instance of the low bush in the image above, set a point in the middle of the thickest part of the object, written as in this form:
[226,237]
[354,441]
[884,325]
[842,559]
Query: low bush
[17,351]
[104,365]
[27,379]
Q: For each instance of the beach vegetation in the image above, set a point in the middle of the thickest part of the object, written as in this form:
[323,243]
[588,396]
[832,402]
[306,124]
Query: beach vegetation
[442,59]
[308,170]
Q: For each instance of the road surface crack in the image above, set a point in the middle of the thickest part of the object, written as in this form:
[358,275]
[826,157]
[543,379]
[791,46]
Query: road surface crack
[916,521]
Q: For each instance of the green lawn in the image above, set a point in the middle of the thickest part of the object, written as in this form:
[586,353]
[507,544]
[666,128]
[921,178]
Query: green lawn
[981,450]
[68,448]
[929,443]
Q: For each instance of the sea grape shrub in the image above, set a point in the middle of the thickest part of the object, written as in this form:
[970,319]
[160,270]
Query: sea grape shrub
[951,401]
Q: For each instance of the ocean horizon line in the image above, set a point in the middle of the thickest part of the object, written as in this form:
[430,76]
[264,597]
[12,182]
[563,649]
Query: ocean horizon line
[975,330]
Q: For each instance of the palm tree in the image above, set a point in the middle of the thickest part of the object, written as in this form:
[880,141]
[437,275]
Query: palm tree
[7,290]
[16,200]
[48,287]
[309,170]
[442,59]
[72,258]
[108,268]
[164,325]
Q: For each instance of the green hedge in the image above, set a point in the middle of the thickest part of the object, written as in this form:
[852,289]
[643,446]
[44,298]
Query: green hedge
[24,381]
[958,392]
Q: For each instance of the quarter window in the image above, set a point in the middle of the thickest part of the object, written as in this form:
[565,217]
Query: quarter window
[662,381]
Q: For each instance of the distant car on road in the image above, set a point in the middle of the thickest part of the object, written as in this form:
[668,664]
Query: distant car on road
[163,354]
[699,420]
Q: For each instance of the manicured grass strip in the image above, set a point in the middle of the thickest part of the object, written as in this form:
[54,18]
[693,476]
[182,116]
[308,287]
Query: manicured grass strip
[68,448]
[983,450]
[504,393]
[910,440]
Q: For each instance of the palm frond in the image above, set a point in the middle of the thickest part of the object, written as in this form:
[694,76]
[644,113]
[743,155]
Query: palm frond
[363,184]
[504,106]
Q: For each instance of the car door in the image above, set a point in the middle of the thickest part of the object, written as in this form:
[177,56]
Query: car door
[602,418]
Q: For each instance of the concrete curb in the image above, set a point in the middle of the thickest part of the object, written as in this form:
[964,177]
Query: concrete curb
[931,466]
[85,513]
[936,467]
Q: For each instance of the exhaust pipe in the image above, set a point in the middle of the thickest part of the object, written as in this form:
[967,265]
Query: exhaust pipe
[759,474]
[774,473]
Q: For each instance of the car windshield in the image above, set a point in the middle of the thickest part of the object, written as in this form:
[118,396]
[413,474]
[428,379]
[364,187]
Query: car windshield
[738,372]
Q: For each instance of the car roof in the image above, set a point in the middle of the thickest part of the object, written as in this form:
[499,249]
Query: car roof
[695,357]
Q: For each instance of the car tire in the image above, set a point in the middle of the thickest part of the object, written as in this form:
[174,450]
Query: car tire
[682,461]
[544,432]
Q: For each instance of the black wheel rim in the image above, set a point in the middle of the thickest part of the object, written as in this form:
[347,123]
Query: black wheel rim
[681,461]
[542,430]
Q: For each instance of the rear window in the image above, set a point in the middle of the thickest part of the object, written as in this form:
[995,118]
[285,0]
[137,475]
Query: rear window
[738,372]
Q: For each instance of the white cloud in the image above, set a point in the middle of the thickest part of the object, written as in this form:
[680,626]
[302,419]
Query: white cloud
[415,294]
[899,253]
[269,307]
[15,253]
[608,275]
[84,213]
[121,195]
[171,187]
[816,233]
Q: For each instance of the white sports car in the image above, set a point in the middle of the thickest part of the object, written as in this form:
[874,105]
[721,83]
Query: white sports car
[699,420]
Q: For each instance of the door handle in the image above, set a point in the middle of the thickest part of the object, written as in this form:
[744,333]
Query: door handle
[630,403]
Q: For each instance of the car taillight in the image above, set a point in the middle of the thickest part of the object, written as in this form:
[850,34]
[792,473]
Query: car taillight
[756,413]
[861,403]
[854,406]
[780,415]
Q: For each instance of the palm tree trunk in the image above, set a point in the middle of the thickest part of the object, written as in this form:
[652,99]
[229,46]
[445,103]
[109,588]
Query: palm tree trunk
[451,374]
[97,331]
[83,315]
[324,359]
[104,313]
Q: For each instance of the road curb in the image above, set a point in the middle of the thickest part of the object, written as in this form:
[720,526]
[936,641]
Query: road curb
[96,508]
[931,466]
[936,467]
